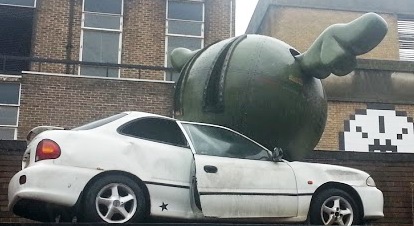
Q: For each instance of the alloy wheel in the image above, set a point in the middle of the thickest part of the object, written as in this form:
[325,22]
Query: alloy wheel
[336,210]
[116,203]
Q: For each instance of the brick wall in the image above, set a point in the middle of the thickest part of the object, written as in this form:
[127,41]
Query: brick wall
[299,27]
[51,32]
[69,101]
[392,173]
[10,162]
[338,112]
[219,24]
[143,36]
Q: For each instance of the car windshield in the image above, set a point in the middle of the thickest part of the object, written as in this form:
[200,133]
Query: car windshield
[100,122]
[217,141]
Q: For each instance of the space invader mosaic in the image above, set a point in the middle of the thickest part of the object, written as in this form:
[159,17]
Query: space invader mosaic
[379,128]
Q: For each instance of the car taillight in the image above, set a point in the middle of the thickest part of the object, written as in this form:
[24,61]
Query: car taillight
[47,149]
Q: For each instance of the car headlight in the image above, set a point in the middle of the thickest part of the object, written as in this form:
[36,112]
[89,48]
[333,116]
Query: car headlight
[370,182]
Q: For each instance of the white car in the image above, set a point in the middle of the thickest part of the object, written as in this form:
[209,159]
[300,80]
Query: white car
[135,165]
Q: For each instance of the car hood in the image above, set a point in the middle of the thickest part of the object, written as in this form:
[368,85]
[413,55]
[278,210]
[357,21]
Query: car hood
[319,174]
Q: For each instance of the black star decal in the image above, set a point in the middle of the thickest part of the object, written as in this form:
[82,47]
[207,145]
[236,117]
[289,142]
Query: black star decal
[164,206]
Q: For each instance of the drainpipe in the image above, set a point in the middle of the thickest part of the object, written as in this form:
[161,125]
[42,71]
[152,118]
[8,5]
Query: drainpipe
[70,34]
[232,11]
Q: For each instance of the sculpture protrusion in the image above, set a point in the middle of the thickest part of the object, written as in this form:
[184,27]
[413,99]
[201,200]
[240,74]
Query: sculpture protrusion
[180,56]
[335,50]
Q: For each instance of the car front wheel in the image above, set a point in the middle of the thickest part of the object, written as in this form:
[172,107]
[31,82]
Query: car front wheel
[114,199]
[334,207]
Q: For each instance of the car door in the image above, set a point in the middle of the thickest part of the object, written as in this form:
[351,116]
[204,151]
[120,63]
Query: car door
[235,177]
[163,151]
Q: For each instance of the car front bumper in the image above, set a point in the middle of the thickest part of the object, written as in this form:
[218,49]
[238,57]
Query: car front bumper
[373,202]
[48,183]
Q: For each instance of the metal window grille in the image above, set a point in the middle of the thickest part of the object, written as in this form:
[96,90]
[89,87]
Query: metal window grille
[406,38]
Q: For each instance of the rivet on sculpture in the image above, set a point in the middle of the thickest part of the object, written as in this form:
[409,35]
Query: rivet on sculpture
[267,90]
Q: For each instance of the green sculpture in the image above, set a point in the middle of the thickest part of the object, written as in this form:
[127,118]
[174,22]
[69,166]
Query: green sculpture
[265,89]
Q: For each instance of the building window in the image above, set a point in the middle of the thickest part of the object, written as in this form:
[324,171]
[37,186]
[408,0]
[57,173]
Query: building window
[101,36]
[184,28]
[24,3]
[9,110]
[406,37]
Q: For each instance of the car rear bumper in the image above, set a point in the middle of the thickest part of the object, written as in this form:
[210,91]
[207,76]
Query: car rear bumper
[373,202]
[48,183]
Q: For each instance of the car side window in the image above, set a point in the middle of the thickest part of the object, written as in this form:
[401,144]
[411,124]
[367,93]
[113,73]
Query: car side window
[155,129]
[217,141]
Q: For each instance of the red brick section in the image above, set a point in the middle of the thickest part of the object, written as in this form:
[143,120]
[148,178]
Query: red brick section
[144,36]
[393,174]
[10,162]
[51,32]
[219,24]
[70,101]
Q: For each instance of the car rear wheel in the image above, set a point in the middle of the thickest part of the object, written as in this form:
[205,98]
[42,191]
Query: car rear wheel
[114,199]
[334,207]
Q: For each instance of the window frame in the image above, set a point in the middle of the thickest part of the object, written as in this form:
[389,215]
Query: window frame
[24,6]
[13,105]
[187,145]
[167,34]
[190,141]
[86,28]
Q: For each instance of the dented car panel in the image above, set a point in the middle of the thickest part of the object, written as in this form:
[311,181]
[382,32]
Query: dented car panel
[186,170]
[319,174]
[42,184]
[251,185]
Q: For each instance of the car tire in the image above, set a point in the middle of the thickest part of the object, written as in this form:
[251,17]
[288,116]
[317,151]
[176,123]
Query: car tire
[334,206]
[114,199]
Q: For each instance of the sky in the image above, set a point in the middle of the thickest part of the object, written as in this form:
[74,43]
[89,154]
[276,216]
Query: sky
[244,11]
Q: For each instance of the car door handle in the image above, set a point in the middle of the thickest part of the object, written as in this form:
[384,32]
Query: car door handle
[210,169]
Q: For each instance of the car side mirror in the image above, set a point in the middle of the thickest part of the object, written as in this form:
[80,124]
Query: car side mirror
[277,154]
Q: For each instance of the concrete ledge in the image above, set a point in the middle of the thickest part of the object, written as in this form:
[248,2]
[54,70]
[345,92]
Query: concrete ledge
[385,65]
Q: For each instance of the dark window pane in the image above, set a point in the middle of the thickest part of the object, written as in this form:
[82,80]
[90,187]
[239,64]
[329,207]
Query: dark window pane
[100,46]
[102,21]
[9,93]
[99,71]
[185,42]
[8,116]
[215,141]
[155,129]
[173,76]
[104,6]
[185,10]
[7,133]
[184,28]
[19,2]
